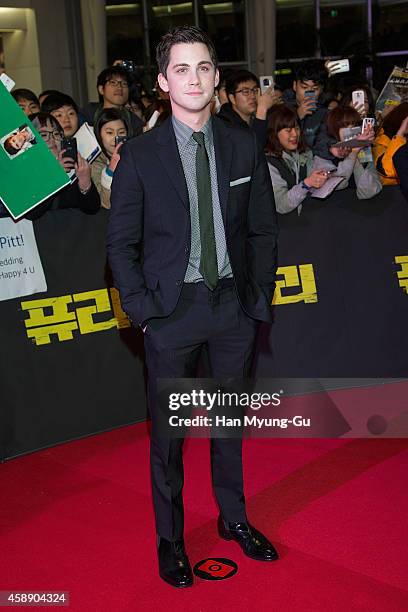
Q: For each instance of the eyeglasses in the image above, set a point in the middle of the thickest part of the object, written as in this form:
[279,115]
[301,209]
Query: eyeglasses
[46,135]
[114,83]
[247,91]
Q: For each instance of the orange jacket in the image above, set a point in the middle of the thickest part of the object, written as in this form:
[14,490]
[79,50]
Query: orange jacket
[384,149]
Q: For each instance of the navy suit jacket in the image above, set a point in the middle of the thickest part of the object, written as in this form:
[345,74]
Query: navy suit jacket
[149,226]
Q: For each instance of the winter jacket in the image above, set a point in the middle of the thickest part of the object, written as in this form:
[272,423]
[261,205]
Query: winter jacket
[287,173]
[384,149]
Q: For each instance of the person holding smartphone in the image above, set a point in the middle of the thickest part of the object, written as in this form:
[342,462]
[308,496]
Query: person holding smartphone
[305,97]
[345,159]
[111,130]
[367,108]
[247,107]
[80,194]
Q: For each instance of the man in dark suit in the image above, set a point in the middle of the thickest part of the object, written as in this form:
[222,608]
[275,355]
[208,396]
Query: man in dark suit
[192,247]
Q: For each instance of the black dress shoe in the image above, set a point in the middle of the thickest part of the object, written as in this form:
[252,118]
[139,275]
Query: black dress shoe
[252,542]
[174,566]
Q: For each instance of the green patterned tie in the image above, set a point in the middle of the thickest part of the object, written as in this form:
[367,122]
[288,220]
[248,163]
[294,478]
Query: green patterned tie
[208,261]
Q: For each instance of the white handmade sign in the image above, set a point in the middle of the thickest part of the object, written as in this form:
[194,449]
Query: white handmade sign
[21,271]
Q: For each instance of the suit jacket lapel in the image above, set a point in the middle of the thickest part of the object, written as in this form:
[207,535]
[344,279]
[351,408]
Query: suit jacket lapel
[168,153]
[223,158]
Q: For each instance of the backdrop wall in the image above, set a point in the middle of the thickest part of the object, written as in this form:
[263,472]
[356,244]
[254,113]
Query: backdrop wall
[72,365]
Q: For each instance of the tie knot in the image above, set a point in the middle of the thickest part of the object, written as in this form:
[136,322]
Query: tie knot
[199,138]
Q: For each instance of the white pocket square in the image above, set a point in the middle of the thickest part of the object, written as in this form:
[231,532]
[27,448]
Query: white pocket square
[244,179]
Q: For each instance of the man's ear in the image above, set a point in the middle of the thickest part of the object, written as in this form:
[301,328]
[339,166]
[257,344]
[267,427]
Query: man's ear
[231,99]
[100,89]
[217,78]
[294,86]
[161,79]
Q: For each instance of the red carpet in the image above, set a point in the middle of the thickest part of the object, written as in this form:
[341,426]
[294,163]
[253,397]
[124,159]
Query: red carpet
[78,518]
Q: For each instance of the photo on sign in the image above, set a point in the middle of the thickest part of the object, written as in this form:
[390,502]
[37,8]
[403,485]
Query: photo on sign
[18,141]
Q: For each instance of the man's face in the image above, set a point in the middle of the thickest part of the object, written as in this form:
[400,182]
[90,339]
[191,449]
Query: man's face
[28,106]
[244,100]
[17,140]
[67,118]
[191,78]
[50,134]
[115,92]
[300,87]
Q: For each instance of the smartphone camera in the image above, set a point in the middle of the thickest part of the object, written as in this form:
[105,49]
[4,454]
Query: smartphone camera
[129,65]
[120,140]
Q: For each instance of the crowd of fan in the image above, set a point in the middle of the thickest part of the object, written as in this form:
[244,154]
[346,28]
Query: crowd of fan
[298,129]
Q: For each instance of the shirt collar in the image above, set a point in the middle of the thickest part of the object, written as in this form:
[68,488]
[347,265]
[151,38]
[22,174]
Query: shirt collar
[183,132]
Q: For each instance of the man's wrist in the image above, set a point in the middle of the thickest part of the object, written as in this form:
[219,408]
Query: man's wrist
[261,113]
[85,190]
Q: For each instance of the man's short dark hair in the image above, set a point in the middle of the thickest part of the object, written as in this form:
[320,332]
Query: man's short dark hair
[11,150]
[312,70]
[176,36]
[235,79]
[55,101]
[25,94]
[110,72]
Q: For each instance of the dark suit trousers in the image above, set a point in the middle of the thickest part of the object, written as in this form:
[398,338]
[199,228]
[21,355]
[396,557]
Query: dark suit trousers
[173,346]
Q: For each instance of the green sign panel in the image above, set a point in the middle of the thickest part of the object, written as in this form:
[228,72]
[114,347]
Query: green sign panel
[29,173]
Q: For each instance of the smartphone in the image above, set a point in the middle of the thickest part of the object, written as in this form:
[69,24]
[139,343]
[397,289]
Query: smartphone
[329,172]
[119,139]
[337,66]
[349,133]
[71,149]
[129,65]
[311,95]
[266,82]
[358,97]
[368,122]
[7,81]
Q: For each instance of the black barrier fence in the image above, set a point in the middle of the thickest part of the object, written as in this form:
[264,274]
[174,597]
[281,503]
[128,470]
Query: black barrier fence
[72,365]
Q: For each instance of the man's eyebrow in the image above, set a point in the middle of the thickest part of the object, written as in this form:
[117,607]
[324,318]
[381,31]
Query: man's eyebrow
[187,65]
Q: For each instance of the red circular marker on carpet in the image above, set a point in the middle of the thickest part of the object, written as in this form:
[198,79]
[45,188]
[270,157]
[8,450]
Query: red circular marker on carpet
[215,568]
